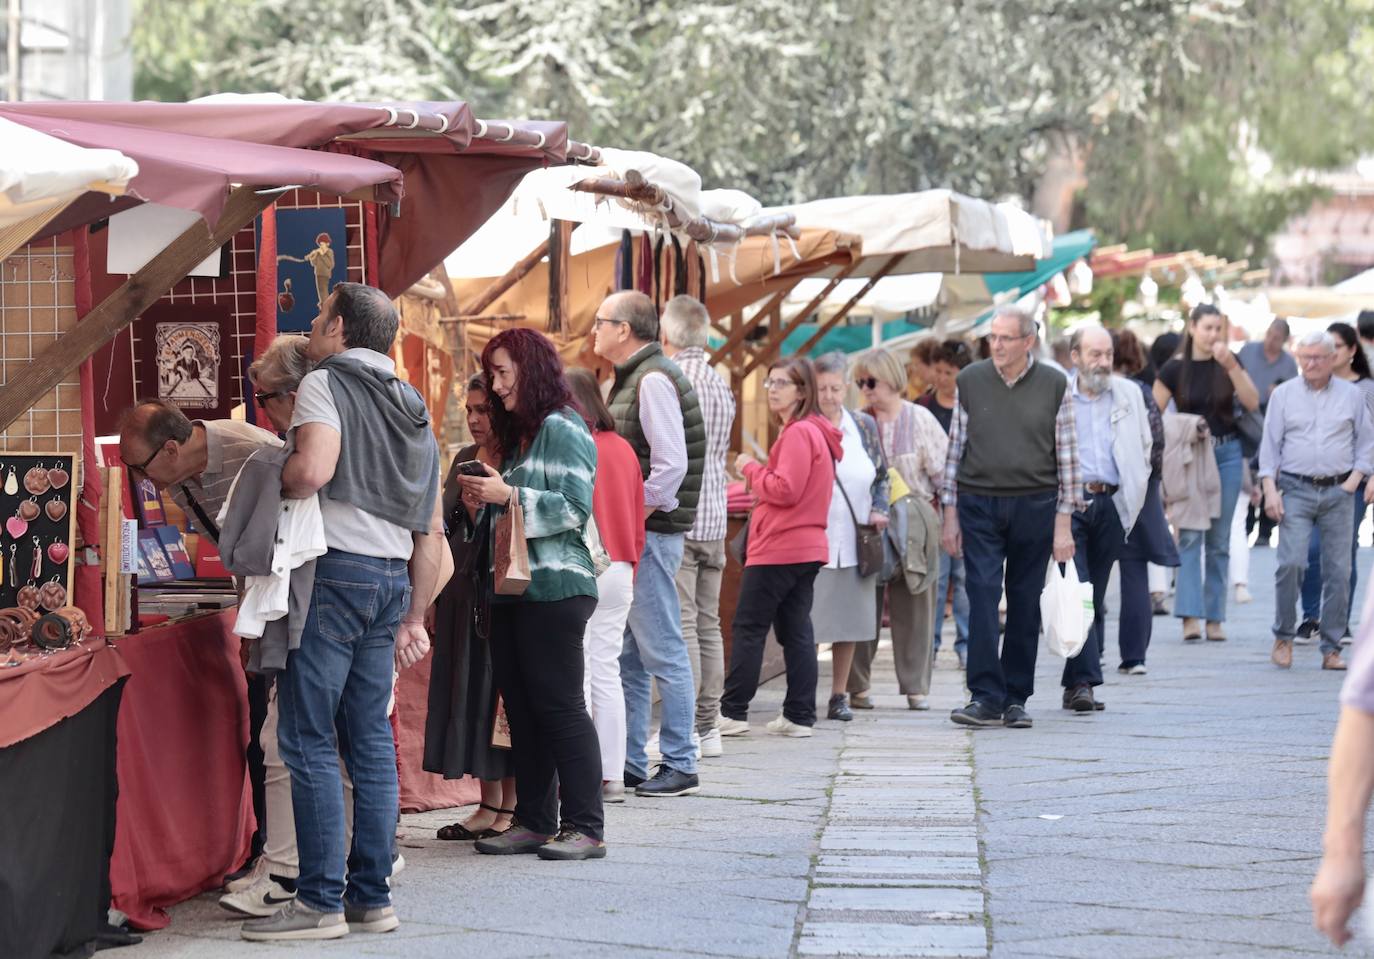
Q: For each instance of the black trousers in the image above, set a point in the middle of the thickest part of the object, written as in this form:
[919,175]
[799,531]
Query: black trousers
[777,597]
[258,689]
[1097,541]
[536,659]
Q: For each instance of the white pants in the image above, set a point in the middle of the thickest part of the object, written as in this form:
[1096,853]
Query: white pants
[1240,543]
[605,637]
[279,844]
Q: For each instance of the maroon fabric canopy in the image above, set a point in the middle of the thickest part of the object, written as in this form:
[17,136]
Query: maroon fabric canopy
[458,170]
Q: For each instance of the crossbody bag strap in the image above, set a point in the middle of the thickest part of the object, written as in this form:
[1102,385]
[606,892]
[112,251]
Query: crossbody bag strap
[852,515]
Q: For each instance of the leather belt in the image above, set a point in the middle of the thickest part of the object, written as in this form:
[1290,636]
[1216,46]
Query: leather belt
[1100,489]
[1321,482]
[1223,440]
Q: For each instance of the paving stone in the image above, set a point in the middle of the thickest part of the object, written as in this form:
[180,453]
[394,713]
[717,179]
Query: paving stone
[892,940]
[897,865]
[956,902]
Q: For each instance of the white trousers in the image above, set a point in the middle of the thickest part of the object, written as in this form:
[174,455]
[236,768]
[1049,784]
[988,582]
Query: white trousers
[605,637]
[1240,543]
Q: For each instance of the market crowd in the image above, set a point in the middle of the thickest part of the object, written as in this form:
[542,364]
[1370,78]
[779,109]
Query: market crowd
[571,557]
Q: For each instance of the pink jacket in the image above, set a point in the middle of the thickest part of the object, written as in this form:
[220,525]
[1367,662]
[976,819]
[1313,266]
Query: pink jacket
[793,490]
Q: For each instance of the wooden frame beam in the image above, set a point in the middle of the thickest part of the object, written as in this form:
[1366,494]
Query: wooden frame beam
[634,187]
[779,336]
[741,329]
[560,231]
[834,321]
[49,368]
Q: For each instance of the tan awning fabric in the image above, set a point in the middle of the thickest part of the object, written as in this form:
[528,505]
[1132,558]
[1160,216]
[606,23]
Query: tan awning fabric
[819,249]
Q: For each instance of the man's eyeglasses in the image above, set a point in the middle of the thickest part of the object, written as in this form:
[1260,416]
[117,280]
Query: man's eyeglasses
[867,382]
[996,340]
[142,468]
[262,397]
[602,319]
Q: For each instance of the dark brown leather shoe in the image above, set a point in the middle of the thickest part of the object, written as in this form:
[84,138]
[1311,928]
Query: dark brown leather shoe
[1332,661]
[1282,656]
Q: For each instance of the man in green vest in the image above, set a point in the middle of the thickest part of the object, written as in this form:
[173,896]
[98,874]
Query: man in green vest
[656,410]
[1012,484]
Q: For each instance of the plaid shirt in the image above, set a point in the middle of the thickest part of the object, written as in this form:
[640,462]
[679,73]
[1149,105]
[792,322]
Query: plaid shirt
[1065,452]
[718,414]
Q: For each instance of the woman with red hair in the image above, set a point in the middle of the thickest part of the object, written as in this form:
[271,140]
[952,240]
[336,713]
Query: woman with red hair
[548,466]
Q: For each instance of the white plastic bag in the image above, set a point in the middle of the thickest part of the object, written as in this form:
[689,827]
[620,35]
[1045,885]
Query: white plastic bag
[1066,610]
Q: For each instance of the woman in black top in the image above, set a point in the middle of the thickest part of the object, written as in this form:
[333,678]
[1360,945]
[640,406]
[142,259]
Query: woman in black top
[1207,380]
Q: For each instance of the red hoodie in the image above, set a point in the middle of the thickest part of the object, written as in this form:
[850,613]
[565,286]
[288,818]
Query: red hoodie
[788,524]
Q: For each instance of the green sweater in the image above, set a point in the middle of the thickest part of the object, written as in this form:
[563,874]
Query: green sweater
[553,479]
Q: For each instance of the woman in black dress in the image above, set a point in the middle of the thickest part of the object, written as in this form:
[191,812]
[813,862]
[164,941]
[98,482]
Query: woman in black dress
[462,694]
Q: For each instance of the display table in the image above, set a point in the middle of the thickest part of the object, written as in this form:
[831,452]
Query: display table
[57,790]
[185,812]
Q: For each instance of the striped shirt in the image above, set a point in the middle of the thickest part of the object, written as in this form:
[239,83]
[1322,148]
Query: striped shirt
[718,414]
[1065,452]
[228,444]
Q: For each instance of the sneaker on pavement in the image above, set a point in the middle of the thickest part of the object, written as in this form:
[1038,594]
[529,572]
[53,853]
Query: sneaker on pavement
[1159,605]
[1307,632]
[398,865]
[380,919]
[1080,699]
[632,779]
[1282,654]
[838,708]
[612,791]
[976,714]
[294,921]
[669,782]
[1132,669]
[1243,594]
[1346,638]
[711,746]
[571,844]
[1332,660]
[515,841]
[247,877]
[1016,717]
[696,743]
[782,726]
[732,727]
[263,898]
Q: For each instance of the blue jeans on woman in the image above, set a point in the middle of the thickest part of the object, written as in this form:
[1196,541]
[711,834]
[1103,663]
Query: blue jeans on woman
[952,567]
[1196,596]
[332,700]
[1312,581]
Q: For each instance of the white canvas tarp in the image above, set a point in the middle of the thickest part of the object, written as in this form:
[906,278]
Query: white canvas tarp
[39,173]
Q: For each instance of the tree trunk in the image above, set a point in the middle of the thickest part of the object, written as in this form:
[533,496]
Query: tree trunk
[1065,173]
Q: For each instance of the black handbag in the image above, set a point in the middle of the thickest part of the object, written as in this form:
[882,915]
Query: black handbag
[1250,427]
[869,537]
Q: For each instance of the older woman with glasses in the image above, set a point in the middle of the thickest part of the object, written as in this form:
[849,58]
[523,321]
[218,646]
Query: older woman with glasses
[915,445]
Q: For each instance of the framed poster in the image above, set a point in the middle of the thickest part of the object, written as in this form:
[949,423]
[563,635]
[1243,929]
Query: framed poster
[184,357]
[312,257]
[37,542]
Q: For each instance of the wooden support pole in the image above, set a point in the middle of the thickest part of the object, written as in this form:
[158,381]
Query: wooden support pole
[33,381]
[834,321]
[502,284]
[741,329]
[559,233]
[779,336]
[634,187]
[737,426]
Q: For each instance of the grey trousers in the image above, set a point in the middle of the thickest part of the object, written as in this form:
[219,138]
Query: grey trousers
[698,592]
[913,639]
[1332,511]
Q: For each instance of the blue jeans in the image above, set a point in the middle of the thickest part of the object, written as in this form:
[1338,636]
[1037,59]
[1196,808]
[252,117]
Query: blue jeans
[1194,598]
[952,567]
[1097,542]
[1312,581]
[1017,531]
[332,700]
[654,647]
[1305,509]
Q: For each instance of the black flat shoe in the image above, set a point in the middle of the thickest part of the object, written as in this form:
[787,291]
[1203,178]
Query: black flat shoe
[457,832]
[1016,717]
[976,714]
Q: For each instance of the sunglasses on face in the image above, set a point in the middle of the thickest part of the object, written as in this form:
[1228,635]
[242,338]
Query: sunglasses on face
[867,382]
[263,397]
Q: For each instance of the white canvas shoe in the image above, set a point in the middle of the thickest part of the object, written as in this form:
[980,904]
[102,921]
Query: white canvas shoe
[732,727]
[782,726]
[710,746]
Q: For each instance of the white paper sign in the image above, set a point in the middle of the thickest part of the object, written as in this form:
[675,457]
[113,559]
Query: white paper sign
[141,233]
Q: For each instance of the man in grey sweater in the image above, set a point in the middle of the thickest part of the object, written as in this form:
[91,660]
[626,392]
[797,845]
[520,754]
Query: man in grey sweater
[1012,484]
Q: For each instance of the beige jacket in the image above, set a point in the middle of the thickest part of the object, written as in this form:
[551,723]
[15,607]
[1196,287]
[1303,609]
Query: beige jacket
[1190,481]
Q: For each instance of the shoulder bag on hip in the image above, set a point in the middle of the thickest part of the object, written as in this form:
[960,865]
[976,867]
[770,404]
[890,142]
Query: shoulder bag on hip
[868,536]
[511,563]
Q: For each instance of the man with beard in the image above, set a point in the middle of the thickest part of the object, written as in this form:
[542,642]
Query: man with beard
[1114,444]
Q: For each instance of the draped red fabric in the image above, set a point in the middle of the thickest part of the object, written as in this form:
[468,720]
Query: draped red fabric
[185,813]
[46,690]
[421,790]
[372,255]
[88,591]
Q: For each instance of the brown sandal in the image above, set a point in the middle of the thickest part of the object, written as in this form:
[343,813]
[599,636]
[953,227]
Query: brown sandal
[457,832]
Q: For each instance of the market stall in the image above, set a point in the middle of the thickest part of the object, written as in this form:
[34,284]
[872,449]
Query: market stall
[210,181]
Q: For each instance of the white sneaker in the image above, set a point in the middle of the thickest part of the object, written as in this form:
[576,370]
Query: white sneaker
[696,742]
[397,864]
[782,726]
[732,727]
[249,879]
[1243,594]
[709,745]
[263,898]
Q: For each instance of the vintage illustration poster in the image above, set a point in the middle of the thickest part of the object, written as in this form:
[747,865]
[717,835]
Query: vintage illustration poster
[312,257]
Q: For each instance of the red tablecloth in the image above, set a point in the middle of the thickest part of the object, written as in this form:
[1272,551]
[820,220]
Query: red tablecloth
[47,689]
[421,790]
[185,813]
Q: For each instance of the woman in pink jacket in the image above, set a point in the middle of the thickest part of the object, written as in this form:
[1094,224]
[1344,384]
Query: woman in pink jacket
[787,546]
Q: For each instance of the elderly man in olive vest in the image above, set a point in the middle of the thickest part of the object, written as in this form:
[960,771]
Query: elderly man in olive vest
[656,410]
[1012,484]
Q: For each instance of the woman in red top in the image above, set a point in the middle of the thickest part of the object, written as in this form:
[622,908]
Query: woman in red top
[786,548]
[618,509]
